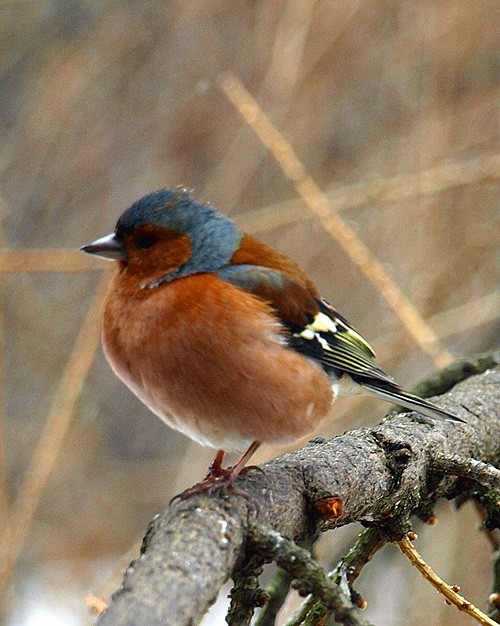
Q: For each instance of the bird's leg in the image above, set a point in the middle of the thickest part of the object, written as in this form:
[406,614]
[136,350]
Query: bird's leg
[241,467]
[219,477]
[216,468]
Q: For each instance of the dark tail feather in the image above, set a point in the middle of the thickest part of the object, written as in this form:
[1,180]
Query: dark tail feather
[409,401]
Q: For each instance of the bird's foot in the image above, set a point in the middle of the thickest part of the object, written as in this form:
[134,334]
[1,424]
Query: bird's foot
[217,480]
[220,478]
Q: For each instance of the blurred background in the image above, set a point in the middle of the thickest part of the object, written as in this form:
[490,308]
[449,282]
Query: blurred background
[390,105]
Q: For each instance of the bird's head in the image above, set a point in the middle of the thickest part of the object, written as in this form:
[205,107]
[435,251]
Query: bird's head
[167,234]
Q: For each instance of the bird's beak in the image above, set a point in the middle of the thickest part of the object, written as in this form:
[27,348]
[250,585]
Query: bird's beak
[107,247]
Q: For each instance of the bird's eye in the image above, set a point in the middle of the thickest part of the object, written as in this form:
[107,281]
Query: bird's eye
[146,241]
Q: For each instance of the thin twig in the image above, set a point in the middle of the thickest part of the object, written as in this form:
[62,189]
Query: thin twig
[408,549]
[427,182]
[345,573]
[349,568]
[277,590]
[483,473]
[315,199]
[5,493]
[439,383]
[246,595]
[281,80]
[310,577]
[56,427]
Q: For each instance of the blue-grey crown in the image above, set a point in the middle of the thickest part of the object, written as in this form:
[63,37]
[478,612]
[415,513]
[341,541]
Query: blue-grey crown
[214,237]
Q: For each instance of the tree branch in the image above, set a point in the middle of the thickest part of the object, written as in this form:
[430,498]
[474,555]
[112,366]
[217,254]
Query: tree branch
[483,473]
[371,475]
[310,578]
[246,595]
[277,590]
[449,592]
[344,575]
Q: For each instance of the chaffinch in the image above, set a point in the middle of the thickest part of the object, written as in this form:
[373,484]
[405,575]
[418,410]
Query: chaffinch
[225,338]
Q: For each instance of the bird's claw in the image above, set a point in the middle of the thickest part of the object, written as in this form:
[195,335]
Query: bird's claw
[217,480]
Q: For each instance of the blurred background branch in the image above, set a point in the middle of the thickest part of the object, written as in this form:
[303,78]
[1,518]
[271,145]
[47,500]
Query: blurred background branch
[391,108]
[51,440]
[317,202]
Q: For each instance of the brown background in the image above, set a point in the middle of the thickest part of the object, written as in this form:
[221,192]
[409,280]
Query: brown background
[391,107]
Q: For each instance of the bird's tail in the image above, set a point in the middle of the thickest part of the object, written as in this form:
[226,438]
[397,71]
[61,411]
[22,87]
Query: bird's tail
[394,394]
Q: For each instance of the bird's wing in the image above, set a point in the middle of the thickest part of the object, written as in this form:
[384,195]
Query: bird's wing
[316,330]
[343,349]
[294,305]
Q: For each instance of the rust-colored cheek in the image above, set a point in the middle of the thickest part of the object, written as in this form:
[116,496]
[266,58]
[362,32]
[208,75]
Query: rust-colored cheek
[171,250]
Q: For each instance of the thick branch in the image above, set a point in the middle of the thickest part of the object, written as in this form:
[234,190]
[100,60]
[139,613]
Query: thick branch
[375,473]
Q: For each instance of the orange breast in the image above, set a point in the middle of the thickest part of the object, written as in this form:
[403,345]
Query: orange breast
[209,359]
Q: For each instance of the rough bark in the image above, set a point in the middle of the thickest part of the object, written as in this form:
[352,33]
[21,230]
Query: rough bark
[381,476]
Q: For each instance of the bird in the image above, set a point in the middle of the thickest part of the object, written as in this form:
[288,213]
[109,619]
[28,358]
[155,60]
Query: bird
[225,338]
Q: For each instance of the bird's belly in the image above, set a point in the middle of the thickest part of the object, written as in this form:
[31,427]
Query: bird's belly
[221,377]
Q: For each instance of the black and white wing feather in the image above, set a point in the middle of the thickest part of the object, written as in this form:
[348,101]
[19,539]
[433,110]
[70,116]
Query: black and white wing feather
[342,351]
